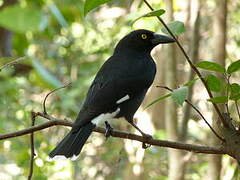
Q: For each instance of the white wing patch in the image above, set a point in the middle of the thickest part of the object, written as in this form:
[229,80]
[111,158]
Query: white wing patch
[123,99]
[104,117]
[74,157]
[62,157]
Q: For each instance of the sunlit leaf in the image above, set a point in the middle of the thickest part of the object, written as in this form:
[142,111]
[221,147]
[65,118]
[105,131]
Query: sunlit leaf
[20,19]
[176,27]
[211,66]
[158,99]
[179,95]
[235,66]
[214,83]
[151,14]
[235,91]
[191,82]
[91,4]
[218,99]
[46,75]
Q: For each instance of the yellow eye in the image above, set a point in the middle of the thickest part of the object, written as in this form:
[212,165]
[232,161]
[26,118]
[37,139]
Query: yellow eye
[144,36]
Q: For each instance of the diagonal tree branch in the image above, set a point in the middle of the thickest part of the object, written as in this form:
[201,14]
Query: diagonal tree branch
[191,65]
[12,63]
[196,109]
[45,99]
[32,147]
[155,142]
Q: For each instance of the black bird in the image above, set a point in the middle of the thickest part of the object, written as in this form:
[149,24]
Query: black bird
[117,90]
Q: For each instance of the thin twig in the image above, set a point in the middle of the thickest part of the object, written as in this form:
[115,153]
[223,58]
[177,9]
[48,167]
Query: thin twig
[236,104]
[45,99]
[155,142]
[196,109]
[32,148]
[191,64]
[228,83]
[12,63]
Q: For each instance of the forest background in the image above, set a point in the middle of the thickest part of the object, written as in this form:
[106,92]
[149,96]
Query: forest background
[59,44]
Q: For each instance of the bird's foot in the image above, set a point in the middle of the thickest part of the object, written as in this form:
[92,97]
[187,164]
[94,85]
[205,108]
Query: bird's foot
[146,138]
[108,130]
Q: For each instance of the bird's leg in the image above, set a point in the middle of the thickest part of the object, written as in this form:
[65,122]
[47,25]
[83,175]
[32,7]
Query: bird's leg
[108,129]
[145,136]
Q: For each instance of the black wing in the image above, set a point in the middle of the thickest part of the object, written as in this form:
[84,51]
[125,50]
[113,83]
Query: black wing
[114,80]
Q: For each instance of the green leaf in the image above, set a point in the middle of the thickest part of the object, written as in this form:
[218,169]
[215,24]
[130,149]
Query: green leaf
[20,19]
[46,75]
[211,66]
[191,82]
[176,27]
[179,95]
[235,66]
[91,4]
[58,15]
[218,99]
[158,99]
[214,83]
[235,91]
[151,14]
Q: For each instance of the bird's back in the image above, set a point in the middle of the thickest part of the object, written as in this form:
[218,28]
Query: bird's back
[122,74]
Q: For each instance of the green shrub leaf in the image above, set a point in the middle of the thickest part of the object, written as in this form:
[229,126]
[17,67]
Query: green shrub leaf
[214,83]
[235,66]
[218,99]
[211,66]
[157,100]
[235,91]
[20,19]
[91,4]
[191,82]
[179,95]
[176,27]
[151,14]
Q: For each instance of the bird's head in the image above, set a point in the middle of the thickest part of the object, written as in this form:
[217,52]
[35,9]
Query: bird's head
[142,40]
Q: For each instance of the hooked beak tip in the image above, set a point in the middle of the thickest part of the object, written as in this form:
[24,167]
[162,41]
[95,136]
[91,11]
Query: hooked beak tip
[162,39]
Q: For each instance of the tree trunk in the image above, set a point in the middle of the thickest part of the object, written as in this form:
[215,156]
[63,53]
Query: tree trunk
[157,110]
[175,171]
[219,55]
[194,26]
[6,35]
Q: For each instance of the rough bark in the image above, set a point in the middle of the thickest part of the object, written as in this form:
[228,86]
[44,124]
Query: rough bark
[194,55]
[175,171]
[156,111]
[219,55]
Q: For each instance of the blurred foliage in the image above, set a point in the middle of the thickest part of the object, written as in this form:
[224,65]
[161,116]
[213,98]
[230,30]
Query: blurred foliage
[63,46]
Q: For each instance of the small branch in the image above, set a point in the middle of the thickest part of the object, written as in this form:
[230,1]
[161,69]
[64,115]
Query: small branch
[236,104]
[176,145]
[45,99]
[190,63]
[12,63]
[216,134]
[32,148]
[227,76]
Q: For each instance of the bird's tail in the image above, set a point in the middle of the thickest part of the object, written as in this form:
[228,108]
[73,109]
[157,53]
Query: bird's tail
[72,144]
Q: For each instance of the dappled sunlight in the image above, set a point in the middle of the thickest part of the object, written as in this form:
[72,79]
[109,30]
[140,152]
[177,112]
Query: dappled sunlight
[134,148]
[9,170]
[144,121]
[63,44]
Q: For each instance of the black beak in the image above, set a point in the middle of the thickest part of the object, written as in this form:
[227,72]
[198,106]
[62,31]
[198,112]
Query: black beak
[161,39]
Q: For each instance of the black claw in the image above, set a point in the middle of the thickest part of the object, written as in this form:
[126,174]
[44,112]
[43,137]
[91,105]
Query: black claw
[146,137]
[145,146]
[108,129]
